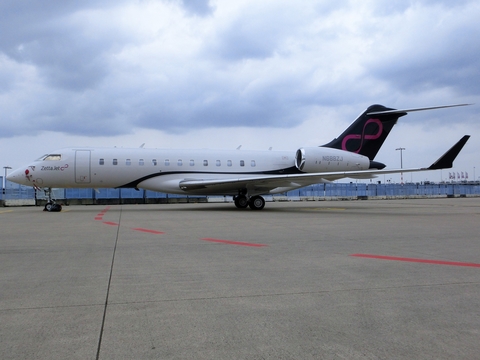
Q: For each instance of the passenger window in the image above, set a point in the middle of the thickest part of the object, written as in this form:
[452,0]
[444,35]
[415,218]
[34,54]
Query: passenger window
[218,163]
[242,163]
[205,162]
[128,162]
[192,162]
[180,162]
[115,162]
[167,162]
[252,163]
[154,162]
[141,162]
[229,162]
[101,161]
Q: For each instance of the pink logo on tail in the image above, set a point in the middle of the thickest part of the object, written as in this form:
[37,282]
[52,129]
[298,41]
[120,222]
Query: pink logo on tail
[363,136]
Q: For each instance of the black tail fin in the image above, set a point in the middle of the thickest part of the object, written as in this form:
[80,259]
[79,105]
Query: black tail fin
[367,133]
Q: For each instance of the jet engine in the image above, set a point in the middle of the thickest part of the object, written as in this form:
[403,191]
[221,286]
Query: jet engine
[321,159]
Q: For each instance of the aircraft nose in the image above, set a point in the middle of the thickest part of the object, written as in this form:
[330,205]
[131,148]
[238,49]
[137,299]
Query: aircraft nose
[18,176]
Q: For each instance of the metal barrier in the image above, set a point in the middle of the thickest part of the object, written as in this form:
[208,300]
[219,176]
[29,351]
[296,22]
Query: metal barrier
[14,191]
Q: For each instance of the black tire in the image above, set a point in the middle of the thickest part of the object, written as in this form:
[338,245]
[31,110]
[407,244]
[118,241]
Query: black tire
[52,207]
[56,207]
[241,201]
[256,203]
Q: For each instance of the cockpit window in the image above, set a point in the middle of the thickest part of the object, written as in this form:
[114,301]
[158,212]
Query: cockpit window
[50,157]
[41,157]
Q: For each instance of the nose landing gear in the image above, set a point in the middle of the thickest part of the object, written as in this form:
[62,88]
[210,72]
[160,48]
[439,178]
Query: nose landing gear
[51,205]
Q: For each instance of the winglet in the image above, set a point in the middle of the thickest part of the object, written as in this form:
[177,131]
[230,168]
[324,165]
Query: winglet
[446,160]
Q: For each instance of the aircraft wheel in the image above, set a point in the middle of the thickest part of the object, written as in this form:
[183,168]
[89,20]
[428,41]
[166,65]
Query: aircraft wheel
[241,201]
[257,203]
[52,207]
[56,207]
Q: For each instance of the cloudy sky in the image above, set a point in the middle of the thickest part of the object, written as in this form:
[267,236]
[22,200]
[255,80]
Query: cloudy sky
[219,74]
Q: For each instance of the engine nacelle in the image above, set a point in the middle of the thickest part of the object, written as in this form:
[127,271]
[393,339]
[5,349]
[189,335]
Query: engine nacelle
[321,159]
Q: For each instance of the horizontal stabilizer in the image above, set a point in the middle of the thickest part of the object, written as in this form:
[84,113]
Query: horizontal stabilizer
[415,109]
[446,160]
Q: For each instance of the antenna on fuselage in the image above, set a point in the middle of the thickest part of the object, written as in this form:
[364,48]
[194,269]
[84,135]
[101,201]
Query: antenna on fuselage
[239,146]
[141,146]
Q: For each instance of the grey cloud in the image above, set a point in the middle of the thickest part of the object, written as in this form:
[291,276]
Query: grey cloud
[92,114]
[8,77]
[240,42]
[454,62]
[284,101]
[67,62]
[83,88]
[227,108]
[198,7]
[41,34]
[256,34]
[392,7]
[20,21]
[323,8]
[207,98]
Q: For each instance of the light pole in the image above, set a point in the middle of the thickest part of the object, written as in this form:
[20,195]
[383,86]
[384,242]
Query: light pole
[5,178]
[401,162]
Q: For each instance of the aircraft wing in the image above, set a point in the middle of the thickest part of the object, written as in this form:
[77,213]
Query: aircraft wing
[263,184]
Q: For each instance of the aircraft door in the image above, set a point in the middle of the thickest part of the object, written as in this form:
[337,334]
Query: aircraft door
[82,166]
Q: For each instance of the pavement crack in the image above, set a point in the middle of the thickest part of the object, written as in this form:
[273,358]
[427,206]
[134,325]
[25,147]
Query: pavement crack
[108,287]
[292,293]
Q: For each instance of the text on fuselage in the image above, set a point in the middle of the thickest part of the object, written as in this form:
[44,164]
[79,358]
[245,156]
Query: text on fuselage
[332,158]
[53,168]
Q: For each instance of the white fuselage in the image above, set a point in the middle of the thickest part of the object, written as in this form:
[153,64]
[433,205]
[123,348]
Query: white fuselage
[164,169]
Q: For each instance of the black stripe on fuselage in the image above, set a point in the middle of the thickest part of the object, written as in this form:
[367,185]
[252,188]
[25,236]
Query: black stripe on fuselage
[285,171]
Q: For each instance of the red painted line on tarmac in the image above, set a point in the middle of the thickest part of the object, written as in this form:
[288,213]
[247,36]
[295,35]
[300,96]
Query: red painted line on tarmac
[233,242]
[424,261]
[101,213]
[149,231]
[110,223]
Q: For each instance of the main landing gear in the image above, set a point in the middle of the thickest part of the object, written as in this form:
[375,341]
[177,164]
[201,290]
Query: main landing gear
[51,205]
[255,202]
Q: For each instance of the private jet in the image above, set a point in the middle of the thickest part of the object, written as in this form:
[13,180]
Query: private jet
[244,174]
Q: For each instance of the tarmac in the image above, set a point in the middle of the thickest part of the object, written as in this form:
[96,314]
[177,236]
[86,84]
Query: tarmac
[384,279]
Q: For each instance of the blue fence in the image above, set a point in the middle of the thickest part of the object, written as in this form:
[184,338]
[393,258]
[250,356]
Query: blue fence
[15,191]
[386,190]
[335,190]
